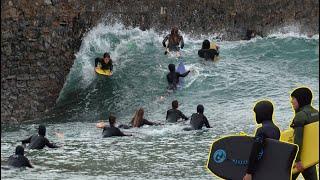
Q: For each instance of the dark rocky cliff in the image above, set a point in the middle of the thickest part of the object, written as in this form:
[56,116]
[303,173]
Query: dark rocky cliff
[39,38]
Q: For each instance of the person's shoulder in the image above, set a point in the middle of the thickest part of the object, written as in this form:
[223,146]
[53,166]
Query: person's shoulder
[300,116]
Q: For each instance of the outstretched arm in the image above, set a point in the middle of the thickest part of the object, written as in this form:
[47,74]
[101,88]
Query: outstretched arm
[50,145]
[184,74]
[183,116]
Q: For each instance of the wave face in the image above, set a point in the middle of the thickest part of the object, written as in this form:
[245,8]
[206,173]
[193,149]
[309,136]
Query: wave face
[262,68]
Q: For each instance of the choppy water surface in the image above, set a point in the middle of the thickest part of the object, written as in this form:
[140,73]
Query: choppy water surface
[262,68]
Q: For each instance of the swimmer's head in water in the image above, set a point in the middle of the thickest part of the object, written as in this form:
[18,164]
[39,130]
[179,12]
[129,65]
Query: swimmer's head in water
[42,130]
[200,109]
[175,104]
[264,111]
[172,67]
[303,96]
[19,150]
[112,120]
[206,44]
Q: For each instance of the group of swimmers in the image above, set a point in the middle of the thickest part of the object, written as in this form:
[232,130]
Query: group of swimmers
[300,99]
[173,42]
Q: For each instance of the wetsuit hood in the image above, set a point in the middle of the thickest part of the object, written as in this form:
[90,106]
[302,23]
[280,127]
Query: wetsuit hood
[19,150]
[264,111]
[303,96]
[172,68]
[42,130]
[200,109]
[206,44]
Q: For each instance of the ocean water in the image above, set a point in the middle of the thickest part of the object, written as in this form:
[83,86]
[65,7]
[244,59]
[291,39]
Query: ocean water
[248,71]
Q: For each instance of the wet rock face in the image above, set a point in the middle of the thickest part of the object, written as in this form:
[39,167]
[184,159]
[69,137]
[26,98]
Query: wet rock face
[39,38]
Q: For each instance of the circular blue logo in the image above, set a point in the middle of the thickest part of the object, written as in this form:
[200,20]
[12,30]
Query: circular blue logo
[219,156]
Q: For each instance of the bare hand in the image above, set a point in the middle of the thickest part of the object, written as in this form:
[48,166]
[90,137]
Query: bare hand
[299,166]
[247,177]
[100,125]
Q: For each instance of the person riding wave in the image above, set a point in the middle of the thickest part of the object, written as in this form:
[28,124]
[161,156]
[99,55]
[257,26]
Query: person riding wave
[105,62]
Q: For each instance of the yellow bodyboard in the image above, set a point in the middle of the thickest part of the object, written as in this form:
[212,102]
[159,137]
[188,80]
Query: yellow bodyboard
[213,46]
[103,72]
[310,146]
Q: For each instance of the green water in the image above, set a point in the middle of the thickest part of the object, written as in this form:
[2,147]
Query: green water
[263,68]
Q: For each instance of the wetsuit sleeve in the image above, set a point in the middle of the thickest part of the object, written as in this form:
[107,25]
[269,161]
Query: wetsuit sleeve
[50,145]
[111,65]
[147,122]
[26,140]
[167,115]
[29,164]
[119,133]
[256,148]
[96,61]
[183,116]
[297,125]
[184,74]
[182,43]
[165,40]
[206,122]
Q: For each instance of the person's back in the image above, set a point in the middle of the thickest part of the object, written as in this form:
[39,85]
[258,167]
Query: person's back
[263,114]
[173,76]
[18,159]
[269,130]
[207,52]
[39,141]
[173,115]
[111,131]
[175,39]
[199,119]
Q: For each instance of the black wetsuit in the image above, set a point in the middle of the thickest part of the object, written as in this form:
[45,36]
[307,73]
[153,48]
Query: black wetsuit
[104,66]
[173,79]
[198,120]
[173,115]
[208,53]
[267,130]
[111,131]
[38,142]
[144,122]
[19,160]
[173,46]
